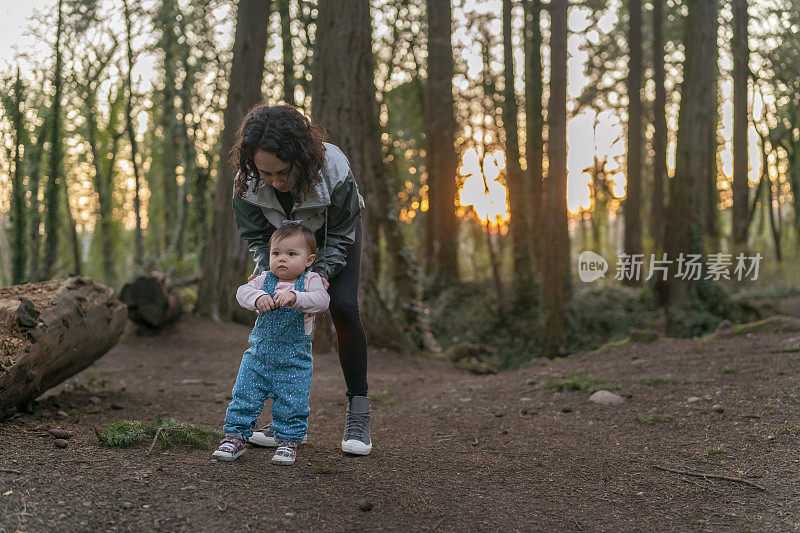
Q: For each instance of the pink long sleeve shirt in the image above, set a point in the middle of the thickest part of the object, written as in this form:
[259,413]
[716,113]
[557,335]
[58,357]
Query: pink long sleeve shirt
[314,300]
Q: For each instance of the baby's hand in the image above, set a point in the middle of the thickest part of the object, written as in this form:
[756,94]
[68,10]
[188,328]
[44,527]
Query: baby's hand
[265,303]
[285,299]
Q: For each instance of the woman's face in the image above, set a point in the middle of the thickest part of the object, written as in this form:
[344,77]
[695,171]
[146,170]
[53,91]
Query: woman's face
[274,171]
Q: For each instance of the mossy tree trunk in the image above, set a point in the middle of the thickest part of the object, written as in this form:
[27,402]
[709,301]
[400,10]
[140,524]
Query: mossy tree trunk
[517,191]
[441,230]
[659,129]
[226,259]
[534,125]
[343,101]
[684,223]
[632,203]
[556,271]
[741,191]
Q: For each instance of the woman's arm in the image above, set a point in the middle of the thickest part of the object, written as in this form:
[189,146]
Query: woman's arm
[343,215]
[253,226]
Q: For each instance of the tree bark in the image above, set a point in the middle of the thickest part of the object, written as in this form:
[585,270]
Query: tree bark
[137,208]
[50,331]
[632,204]
[534,125]
[343,101]
[226,260]
[556,282]
[52,221]
[660,129]
[152,301]
[37,156]
[684,224]
[441,230]
[170,204]
[18,218]
[103,182]
[741,56]
[517,193]
[288,51]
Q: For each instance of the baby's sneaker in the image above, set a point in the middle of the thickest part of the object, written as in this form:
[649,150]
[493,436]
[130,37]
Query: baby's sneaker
[265,437]
[286,452]
[231,447]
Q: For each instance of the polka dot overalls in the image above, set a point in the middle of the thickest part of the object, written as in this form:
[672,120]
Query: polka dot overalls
[277,365]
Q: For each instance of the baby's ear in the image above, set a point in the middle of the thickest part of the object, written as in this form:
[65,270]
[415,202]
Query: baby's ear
[311,259]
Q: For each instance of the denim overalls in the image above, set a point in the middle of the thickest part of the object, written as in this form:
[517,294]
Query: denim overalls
[277,365]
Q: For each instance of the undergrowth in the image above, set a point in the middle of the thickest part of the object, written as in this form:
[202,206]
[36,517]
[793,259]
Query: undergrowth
[597,313]
[172,433]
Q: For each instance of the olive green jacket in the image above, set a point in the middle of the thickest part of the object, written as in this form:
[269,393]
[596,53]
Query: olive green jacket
[331,210]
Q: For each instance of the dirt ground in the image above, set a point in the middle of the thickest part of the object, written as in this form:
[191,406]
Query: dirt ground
[452,450]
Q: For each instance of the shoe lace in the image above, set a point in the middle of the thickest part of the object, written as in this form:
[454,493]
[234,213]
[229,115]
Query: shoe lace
[286,448]
[229,444]
[356,426]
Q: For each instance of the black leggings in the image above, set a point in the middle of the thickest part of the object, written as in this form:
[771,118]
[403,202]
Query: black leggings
[347,321]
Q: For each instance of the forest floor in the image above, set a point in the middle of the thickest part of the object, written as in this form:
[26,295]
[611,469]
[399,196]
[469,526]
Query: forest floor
[452,450]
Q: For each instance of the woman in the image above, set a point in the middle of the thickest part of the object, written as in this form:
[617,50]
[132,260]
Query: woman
[286,171]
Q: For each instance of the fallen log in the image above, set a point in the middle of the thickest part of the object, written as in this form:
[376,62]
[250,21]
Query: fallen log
[50,331]
[152,301]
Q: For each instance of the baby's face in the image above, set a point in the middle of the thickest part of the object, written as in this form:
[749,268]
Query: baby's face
[289,257]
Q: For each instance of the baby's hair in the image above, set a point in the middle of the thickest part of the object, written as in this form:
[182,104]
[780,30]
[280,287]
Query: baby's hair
[290,230]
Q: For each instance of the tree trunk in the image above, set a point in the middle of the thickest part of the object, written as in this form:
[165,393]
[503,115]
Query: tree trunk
[52,221]
[189,155]
[534,125]
[741,56]
[632,204]
[517,193]
[152,301]
[684,224]
[50,331]
[35,173]
[139,246]
[441,230]
[343,101]
[170,198]
[288,51]
[660,130]
[101,185]
[556,282]
[226,260]
[710,224]
[75,244]
[18,218]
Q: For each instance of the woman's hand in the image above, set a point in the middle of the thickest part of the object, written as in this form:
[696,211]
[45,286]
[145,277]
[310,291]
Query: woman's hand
[251,277]
[265,303]
[285,299]
[325,283]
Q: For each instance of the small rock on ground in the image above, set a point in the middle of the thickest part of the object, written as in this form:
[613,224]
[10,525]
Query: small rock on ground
[604,397]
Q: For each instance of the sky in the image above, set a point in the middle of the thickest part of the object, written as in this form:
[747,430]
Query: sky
[14,17]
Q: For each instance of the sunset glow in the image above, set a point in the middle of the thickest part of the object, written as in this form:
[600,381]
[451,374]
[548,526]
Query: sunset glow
[481,195]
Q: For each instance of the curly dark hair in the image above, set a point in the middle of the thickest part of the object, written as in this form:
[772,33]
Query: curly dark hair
[284,131]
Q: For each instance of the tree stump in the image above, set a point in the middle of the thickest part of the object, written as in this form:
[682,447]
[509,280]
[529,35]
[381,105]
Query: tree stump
[50,331]
[152,301]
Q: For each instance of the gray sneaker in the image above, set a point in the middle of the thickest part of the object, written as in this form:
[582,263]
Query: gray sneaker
[265,437]
[356,430]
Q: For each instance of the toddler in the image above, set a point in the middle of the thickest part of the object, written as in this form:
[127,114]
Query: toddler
[278,363]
